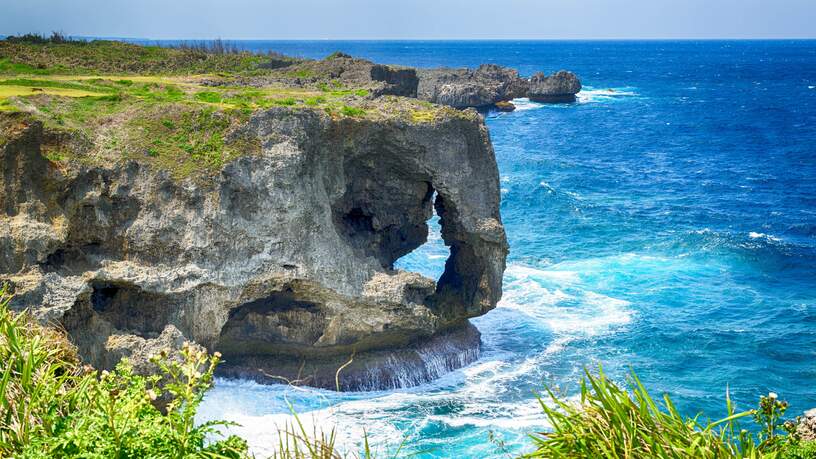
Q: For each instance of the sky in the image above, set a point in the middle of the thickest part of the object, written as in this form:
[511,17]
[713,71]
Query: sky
[412,19]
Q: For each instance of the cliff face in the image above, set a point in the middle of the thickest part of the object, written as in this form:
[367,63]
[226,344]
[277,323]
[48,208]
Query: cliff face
[282,261]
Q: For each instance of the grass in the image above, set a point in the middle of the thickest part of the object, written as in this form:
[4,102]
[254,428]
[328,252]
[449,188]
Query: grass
[175,123]
[352,111]
[612,422]
[423,116]
[7,91]
[114,57]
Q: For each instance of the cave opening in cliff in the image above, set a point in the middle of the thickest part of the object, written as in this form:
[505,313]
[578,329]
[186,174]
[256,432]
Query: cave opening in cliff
[385,221]
[129,308]
[272,321]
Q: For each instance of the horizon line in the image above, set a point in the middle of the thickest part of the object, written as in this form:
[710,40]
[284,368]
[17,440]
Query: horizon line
[439,39]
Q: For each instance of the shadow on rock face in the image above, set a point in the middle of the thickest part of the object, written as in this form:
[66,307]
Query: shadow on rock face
[283,261]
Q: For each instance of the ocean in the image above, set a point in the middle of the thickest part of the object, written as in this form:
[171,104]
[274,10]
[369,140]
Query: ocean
[664,223]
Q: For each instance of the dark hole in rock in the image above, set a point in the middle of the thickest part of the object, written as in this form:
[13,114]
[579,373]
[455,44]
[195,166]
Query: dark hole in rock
[102,297]
[271,324]
[72,258]
[129,308]
[275,303]
[358,221]
[384,221]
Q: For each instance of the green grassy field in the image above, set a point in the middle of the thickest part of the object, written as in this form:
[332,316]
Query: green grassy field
[178,109]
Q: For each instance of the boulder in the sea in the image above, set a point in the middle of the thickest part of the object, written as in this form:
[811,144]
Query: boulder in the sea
[561,86]
[505,106]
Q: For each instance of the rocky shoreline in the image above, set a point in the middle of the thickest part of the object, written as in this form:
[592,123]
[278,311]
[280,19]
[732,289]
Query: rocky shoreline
[486,87]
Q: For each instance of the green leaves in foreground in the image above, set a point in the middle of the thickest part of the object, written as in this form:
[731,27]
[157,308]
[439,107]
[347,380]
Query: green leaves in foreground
[53,406]
[611,422]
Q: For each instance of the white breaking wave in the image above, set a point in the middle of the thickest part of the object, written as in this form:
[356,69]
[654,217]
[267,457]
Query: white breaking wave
[589,94]
[524,103]
[586,95]
[547,296]
[754,235]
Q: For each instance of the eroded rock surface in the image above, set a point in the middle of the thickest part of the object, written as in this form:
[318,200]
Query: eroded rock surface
[561,86]
[283,261]
[806,427]
[462,88]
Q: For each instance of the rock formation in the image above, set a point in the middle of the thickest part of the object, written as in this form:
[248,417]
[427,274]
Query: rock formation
[806,427]
[283,260]
[561,86]
[337,70]
[462,88]
[505,106]
[488,86]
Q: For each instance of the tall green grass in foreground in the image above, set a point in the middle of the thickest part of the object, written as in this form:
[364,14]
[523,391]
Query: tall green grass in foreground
[54,406]
[610,422]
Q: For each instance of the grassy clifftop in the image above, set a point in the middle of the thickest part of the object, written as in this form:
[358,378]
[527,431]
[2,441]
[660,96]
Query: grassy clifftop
[178,108]
[49,57]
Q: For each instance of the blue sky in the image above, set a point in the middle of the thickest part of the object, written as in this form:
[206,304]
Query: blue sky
[418,19]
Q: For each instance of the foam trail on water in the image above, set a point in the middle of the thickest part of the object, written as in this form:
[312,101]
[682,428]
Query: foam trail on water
[588,94]
[524,103]
[538,293]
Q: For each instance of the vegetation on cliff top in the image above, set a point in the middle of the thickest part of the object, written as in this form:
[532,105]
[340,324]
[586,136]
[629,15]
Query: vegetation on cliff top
[177,108]
[37,55]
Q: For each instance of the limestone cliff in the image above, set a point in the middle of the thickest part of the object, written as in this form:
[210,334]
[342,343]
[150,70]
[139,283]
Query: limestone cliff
[282,259]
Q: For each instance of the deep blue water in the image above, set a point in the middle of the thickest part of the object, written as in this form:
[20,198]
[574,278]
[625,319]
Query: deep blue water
[666,221]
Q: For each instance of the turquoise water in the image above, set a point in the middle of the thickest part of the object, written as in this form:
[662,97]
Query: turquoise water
[666,221]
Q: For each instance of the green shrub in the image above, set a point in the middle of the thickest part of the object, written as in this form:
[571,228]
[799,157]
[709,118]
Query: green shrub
[804,450]
[41,379]
[352,111]
[314,101]
[53,406]
[208,96]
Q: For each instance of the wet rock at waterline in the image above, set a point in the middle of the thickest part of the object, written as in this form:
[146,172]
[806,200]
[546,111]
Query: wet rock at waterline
[280,260]
[505,106]
[409,365]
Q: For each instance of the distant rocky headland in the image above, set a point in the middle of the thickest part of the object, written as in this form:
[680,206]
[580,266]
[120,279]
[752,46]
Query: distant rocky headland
[253,204]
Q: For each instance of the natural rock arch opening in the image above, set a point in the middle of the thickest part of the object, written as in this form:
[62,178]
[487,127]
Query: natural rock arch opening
[429,258]
[384,217]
